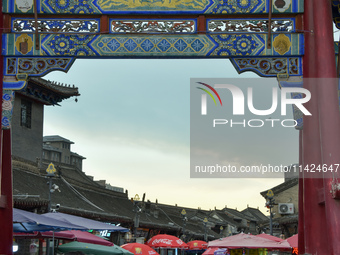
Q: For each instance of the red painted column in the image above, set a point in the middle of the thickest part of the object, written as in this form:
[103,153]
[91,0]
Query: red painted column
[301,240]
[6,200]
[312,234]
[329,116]
[314,217]
[6,214]
[321,138]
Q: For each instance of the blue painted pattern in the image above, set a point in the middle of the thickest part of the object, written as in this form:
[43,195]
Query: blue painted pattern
[153,6]
[193,45]
[169,45]
[7,108]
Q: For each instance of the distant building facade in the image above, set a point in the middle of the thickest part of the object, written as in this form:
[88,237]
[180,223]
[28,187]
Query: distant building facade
[286,208]
[58,149]
[28,115]
[27,126]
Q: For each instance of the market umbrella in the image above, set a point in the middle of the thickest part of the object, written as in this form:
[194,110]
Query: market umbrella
[80,236]
[270,237]
[293,241]
[220,251]
[166,241]
[197,245]
[247,241]
[84,222]
[138,248]
[24,221]
[94,249]
[210,251]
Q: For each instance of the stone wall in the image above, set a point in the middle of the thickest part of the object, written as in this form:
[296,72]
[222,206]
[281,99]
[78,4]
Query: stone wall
[27,142]
[288,196]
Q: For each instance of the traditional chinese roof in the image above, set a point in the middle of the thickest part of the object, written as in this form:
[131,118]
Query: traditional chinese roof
[230,219]
[282,187]
[256,213]
[294,218]
[80,195]
[237,215]
[48,92]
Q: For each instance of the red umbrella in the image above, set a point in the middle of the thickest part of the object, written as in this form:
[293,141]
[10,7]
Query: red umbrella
[166,241]
[197,245]
[247,241]
[74,235]
[210,251]
[270,237]
[80,236]
[138,248]
[293,241]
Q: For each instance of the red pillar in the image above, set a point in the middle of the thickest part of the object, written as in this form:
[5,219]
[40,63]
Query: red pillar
[301,226]
[311,212]
[329,116]
[6,200]
[6,213]
[321,139]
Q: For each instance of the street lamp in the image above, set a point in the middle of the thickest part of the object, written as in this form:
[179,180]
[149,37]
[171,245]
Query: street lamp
[50,173]
[184,217]
[205,221]
[128,237]
[221,230]
[15,246]
[270,204]
[137,211]
[51,188]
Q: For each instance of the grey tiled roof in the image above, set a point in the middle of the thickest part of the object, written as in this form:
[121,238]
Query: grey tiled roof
[229,219]
[56,138]
[47,92]
[80,195]
[282,187]
[66,90]
[256,213]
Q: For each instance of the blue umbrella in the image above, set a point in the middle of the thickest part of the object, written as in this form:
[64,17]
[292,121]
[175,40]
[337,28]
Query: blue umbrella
[24,221]
[84,222]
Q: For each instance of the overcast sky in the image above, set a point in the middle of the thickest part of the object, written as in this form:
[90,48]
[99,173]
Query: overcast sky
[131,122]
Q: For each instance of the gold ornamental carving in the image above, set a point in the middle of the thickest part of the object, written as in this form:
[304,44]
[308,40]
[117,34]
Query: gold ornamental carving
[282,44]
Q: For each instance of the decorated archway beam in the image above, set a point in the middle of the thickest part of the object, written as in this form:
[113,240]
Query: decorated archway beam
[269,67]
[152,6]
[36,46]
[152,45]
[35,66]
[17,69]
[138,25]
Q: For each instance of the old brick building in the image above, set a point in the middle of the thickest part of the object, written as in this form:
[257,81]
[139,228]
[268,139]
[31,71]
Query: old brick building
[286,208]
